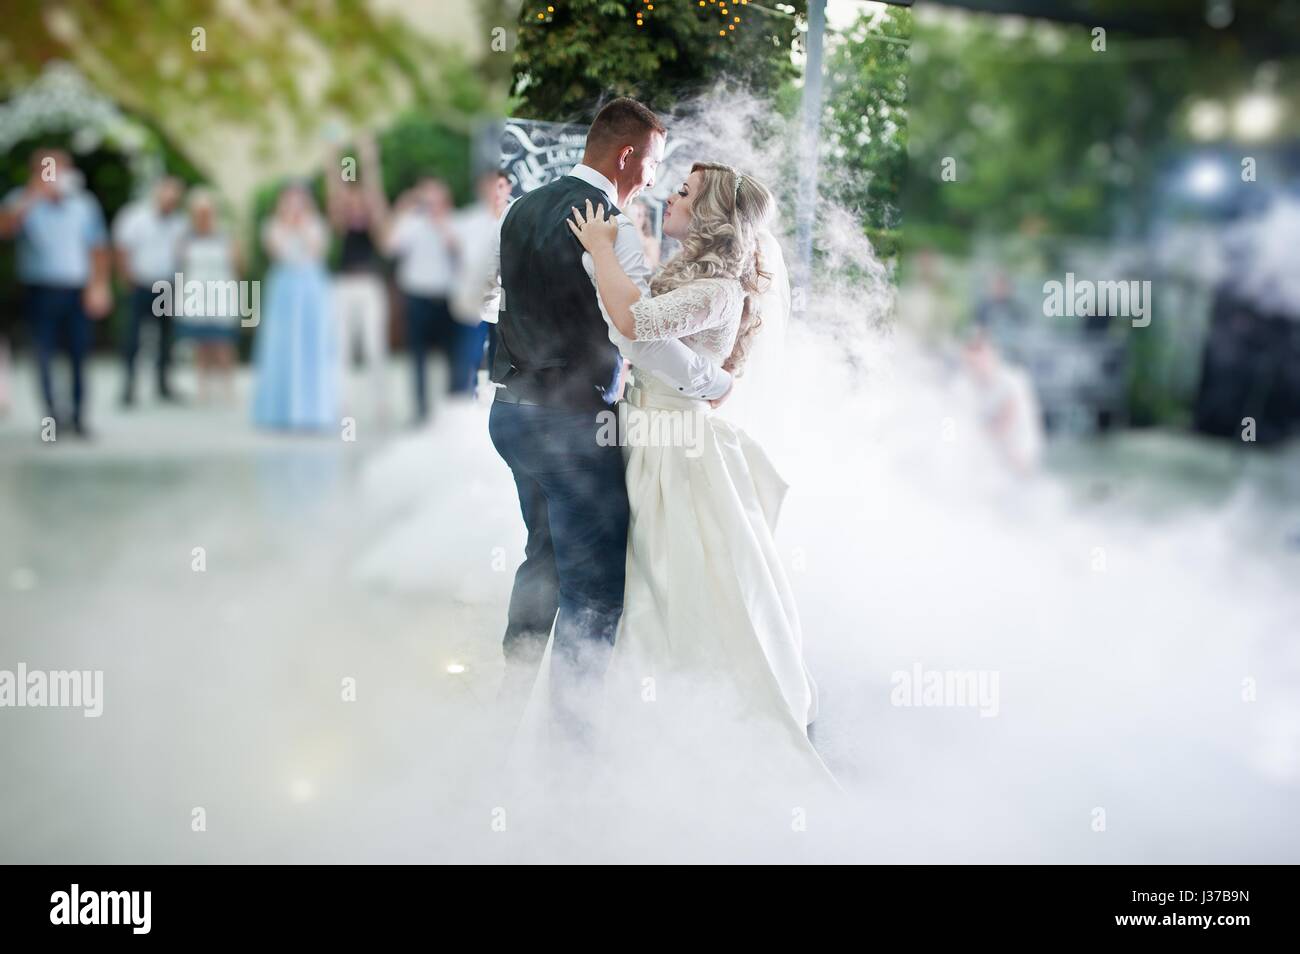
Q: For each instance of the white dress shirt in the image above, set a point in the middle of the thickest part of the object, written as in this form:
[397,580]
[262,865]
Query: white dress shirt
[476,230]
[425,265]
[150,240]
[669,359]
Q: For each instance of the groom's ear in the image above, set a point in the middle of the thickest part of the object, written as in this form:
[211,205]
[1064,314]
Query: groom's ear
[624,155]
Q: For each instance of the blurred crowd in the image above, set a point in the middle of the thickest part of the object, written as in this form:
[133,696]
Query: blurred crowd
[337,280]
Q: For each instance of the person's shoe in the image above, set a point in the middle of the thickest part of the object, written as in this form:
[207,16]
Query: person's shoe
[170,397]
[81,431]
[128,399]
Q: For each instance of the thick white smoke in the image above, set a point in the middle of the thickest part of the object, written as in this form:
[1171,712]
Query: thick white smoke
[1133,632]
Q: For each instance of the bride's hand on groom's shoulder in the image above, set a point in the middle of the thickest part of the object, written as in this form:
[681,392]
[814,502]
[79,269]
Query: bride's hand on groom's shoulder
[594,230]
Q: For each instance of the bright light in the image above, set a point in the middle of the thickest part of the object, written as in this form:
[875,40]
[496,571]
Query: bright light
[455,669]
[1207,120]
[1206,178]
[1218,13]
[302,790]
[1257,115]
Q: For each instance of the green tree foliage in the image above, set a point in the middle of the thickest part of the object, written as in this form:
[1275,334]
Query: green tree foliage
[864,121]
[1048,134]
[257,63]
[571,53]
[1059,144]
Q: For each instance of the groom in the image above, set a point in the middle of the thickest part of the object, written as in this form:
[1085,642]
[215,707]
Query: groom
[557,366]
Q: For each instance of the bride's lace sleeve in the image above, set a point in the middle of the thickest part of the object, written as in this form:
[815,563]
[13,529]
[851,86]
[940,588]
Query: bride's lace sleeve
[683,311]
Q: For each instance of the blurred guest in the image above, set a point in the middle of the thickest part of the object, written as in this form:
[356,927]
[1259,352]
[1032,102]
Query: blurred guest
[999,313]
[1005,403]
[422,240]
[63,263]
[145,234]
[475,228]
[7,321]
[922,305]
[296,351]
[208,255]
[358,213]
[5,399]
[641,214]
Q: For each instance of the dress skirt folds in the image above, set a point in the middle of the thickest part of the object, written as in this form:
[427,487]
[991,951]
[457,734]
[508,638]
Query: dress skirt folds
[710,629]
[296,352]
[707,684]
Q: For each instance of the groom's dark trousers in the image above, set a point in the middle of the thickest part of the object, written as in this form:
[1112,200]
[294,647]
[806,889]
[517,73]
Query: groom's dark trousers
[574,504]
[557,373]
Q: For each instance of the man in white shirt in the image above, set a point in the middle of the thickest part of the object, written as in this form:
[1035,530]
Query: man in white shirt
[557,365]
[423,241]
[476,228]
[146,236]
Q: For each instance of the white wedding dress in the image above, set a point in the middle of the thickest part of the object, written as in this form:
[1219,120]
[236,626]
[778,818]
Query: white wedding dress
[707,683]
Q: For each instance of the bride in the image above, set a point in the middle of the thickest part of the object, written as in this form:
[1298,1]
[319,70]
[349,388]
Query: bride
[708,658]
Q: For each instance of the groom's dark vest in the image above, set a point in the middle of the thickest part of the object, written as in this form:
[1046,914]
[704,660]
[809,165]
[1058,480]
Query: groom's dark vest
[553,345]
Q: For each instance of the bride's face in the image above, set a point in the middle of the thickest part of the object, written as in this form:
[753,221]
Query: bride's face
[677,214]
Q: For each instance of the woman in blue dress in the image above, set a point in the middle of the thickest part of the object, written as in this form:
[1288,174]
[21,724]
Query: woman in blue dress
[296,350]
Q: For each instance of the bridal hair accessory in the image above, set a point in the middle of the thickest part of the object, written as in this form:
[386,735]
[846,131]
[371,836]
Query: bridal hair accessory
[735,196]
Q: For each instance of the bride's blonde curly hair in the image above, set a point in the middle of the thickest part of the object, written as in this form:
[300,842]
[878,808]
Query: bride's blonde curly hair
[727,214]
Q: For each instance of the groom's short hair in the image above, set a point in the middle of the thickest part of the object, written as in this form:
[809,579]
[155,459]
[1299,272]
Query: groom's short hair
[620,122]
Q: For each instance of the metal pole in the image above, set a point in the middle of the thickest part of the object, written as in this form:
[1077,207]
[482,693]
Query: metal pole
[806,210]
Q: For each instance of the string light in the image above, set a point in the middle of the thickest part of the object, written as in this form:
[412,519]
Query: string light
[724,7]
